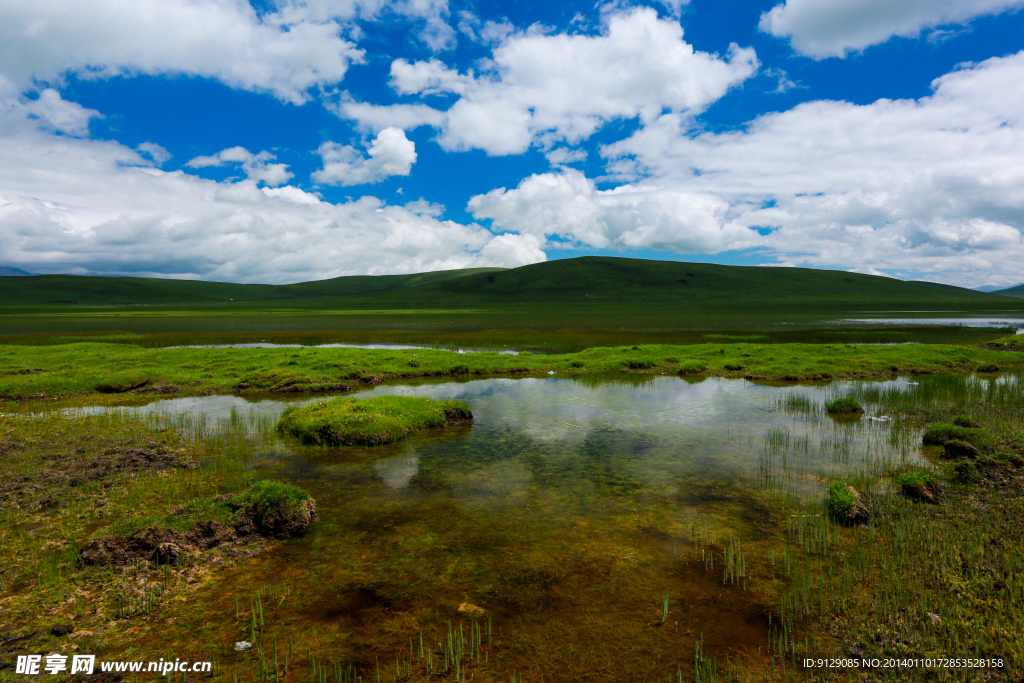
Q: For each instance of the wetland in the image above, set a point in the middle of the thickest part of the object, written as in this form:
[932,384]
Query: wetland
[616,526]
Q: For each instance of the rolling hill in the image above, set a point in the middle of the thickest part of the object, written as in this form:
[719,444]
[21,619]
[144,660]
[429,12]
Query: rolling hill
[585,281]
[1017,290]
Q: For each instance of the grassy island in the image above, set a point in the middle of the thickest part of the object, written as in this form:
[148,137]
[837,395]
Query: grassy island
[370,422]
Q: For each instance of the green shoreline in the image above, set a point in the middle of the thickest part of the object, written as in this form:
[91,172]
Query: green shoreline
[74,370]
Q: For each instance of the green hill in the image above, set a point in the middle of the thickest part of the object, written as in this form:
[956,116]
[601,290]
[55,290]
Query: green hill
[598,279]
[1017,291]
[96,290]
[586,281]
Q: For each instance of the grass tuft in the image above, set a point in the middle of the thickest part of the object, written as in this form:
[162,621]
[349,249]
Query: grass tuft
[844,406]
[841,498]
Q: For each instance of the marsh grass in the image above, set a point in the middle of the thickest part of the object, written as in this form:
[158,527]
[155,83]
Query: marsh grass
[886,588]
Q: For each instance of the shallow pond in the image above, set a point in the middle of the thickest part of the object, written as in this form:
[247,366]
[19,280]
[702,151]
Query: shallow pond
[572,512]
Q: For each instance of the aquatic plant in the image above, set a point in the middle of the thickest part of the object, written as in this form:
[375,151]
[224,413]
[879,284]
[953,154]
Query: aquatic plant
[843,406]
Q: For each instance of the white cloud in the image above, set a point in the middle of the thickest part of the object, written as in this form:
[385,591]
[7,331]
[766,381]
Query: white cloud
[543,89]
[484,32]
[56,114]
[390,154]
[154,151]
[567,205]
[832,28]
[221,39]
[255,166]
[75,205]
[564,155]
[430,14]
[376,118]
[932,186]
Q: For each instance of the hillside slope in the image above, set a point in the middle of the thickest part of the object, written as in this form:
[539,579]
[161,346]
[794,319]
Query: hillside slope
[586,281]
[595,280]
[90,290]
[1017,291]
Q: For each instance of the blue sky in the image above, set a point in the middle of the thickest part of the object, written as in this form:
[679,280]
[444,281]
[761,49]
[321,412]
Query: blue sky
[289,140]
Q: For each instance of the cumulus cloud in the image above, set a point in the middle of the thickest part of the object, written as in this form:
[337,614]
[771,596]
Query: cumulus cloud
[431,15]
[256,166]
[390,154]
[154,151]
[54,113]
[220,39]
[544,89]
[932,186]
[376,117]
[565,155]
[568,205]
[78,205]
[832,28]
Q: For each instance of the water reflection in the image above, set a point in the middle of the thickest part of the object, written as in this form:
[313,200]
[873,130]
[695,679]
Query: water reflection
[1015,323]
[651,433]
[397,472]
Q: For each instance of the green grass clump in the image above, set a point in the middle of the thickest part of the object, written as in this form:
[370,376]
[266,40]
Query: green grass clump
[918,483]
[840,498]
[965,421]
[265,496]
[957,448]
[844,406]
[370,422]
[693,368]
[941,433]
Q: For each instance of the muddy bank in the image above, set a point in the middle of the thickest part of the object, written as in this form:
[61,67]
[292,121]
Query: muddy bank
[251,521]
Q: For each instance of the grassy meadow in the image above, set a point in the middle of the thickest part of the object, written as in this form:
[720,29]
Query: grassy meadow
[133,535]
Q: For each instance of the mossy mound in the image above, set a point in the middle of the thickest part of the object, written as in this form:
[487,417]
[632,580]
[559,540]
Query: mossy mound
[372,421]
[844,406]
[941,433]
[919,484]
[274,509]
[268,509]
[955,449]
[846,505]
